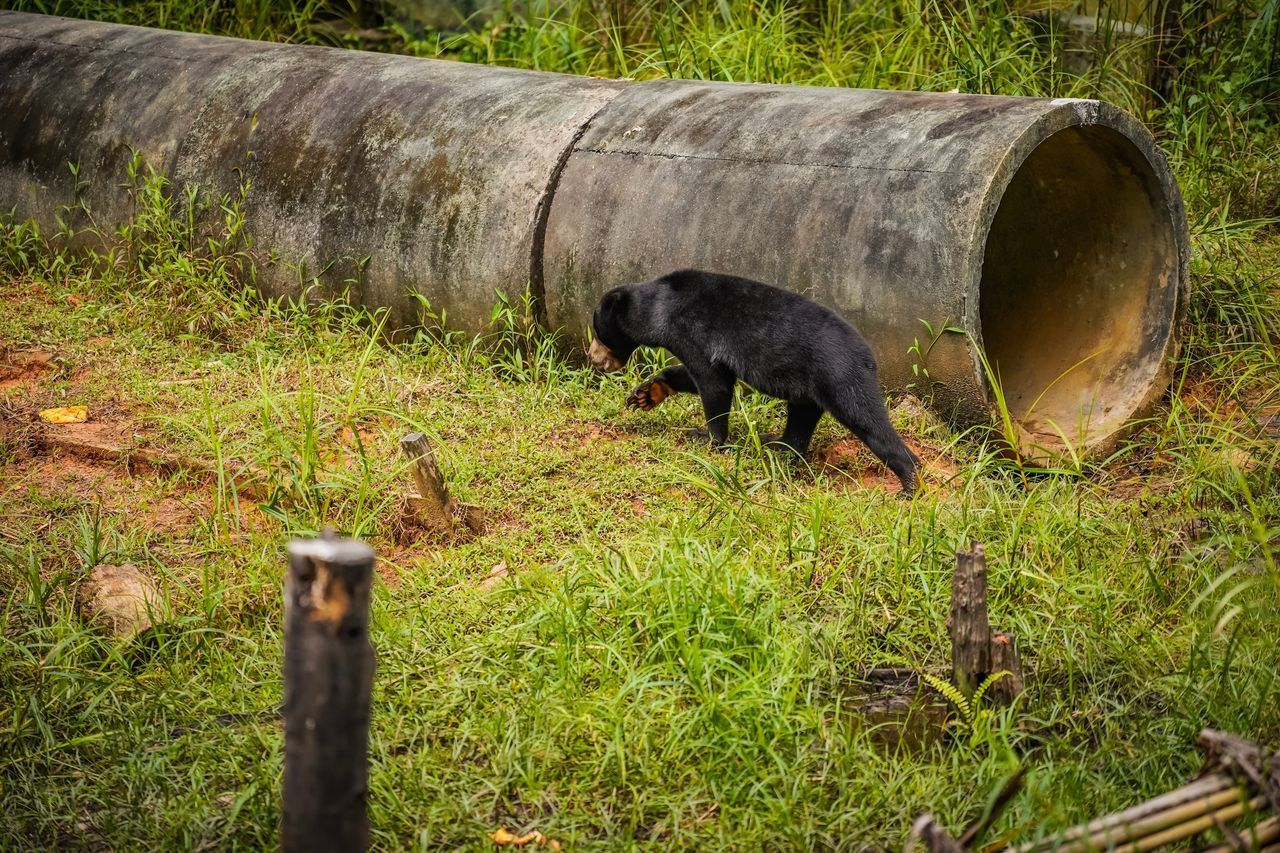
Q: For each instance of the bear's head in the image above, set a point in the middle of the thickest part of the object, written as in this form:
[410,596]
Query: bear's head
[610,345]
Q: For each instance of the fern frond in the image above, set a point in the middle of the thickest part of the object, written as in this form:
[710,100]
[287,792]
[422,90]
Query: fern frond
[983,687]
[952,695]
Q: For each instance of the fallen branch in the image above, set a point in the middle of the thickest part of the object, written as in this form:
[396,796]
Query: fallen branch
[926,834]
[138,460]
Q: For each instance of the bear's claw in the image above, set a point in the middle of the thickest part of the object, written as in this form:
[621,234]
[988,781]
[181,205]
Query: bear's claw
[649,395]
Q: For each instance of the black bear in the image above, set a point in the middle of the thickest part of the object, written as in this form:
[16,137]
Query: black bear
[724,328]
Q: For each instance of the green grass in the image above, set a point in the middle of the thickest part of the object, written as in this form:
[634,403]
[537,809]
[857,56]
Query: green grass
[673,659]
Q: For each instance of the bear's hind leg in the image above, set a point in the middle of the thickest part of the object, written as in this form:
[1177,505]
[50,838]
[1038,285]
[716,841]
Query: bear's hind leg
[868,420]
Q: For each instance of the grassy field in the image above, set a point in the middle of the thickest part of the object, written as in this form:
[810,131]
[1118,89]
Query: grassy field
[650,644]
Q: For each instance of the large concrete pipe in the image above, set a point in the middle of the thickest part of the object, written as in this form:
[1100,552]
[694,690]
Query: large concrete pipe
[1049,232]
[438,172]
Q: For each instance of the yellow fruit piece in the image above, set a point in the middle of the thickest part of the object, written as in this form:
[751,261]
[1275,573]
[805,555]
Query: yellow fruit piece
[505,837]
[66,415]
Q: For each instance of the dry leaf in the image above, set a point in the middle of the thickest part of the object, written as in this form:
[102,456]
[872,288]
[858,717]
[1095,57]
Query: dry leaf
[496,574]
[66,415]
[507,838]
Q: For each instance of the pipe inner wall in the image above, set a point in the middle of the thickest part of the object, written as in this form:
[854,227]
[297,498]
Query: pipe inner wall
[1079,287]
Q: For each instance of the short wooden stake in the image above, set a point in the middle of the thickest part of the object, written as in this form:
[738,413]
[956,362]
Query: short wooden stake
[1005,658]
[968,625]
[439,508]
[328,676]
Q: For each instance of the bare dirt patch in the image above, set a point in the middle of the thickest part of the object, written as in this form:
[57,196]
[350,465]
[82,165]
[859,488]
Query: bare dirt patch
[166,510]
[22,369]
[107,462]
[586,435]
[851,458]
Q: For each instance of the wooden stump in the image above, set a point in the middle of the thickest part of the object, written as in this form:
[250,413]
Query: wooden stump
[975,652]
[968,624]
[1005,658]
[328,675]
[439,509]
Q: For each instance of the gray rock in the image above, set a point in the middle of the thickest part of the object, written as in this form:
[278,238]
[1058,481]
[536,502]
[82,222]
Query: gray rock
[121,599]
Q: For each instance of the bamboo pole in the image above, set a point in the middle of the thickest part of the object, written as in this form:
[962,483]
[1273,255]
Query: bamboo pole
[1181,830]
[1181,821]
[1256,837]
[1199,789]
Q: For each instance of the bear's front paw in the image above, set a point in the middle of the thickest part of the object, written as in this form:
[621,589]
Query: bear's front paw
[649,395]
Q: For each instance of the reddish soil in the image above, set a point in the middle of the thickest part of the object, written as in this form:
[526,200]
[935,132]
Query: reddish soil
[851,458]
[20,370]
[587,434]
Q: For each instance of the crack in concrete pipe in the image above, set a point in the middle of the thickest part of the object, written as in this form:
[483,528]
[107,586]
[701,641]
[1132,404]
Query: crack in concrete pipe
[1050,233]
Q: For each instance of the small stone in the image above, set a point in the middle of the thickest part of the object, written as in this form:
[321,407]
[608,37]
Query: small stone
[120,598]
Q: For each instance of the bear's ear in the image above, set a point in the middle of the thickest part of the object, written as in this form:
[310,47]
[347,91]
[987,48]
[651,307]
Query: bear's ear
[614,300]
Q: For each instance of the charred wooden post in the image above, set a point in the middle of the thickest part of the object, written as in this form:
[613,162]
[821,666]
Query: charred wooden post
[328,676]
[968,624]
[439,509]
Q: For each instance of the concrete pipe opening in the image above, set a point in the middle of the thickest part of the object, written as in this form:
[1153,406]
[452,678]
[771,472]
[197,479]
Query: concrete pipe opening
[1079,290]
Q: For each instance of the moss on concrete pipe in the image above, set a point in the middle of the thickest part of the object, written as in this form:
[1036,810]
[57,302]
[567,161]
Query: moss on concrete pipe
[1050,233]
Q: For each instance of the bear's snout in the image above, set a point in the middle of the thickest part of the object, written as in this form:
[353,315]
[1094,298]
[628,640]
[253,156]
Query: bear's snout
[602,358]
